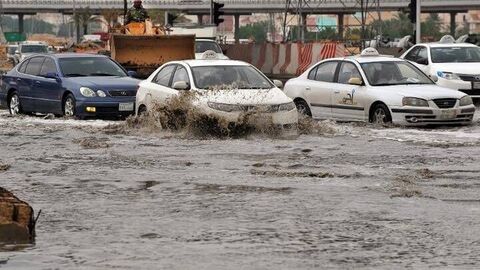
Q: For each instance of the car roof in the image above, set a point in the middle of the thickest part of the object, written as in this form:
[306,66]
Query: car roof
[200,62]
[369,59]
[439,44]
[75,55]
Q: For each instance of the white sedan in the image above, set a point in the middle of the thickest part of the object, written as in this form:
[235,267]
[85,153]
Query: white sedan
[378,89]
[457,65]
[224,88]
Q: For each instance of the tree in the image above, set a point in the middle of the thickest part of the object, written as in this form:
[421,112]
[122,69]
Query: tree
[83,17]
[158,16]
[431,27]
[111,17]
[255,31]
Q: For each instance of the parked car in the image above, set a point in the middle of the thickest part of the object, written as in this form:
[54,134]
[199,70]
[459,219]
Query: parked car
[226,89]
[11,49]
[203,45]
[79,85]
[457,65]
[29,48]
[377,89]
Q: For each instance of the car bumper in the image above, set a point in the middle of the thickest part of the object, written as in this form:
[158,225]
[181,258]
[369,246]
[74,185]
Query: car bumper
[411,116]
[285,120]
[103,108]
[464,86]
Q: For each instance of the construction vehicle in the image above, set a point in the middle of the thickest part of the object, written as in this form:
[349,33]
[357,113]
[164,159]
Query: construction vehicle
[141,47]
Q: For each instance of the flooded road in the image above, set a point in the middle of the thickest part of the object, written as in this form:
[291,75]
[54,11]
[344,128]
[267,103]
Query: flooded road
[362,197]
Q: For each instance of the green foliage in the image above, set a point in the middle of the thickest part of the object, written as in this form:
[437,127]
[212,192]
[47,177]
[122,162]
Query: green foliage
[256,31]
[400,26]
[31,25]
[322,33]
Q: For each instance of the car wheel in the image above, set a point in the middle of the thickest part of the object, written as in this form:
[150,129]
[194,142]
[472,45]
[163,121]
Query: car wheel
[381,115]
[302,107]
[14,105]
[142,110]
[69,106]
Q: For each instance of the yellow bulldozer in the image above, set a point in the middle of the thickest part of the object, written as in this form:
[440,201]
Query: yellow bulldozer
[143,47]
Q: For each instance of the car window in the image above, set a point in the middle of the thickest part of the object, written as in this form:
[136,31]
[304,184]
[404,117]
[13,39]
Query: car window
[180,75]
[347,71]
[203,46]
[385,73]
[163,77]
[48,67]
[23,66]
[326,72]
[33,67]
[412,55]
[455,54]
[90,66]
[311,74]
[422,55]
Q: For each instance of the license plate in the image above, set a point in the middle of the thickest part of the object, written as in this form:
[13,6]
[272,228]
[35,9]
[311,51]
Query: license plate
[125,107]
[476,85]
[448,114]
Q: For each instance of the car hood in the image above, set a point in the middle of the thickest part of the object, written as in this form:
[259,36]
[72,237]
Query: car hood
[105,83]
[459,68]
[243,96]
[427,92]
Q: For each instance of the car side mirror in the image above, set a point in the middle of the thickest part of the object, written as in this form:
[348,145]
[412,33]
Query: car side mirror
[132,73]
[422,61]
[278,83]
[355,81]
[17,52]
[181,85]
[434,78]
[52,75]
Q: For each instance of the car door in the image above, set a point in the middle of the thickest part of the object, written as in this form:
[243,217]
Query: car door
[22,84]
[348,99]
[319,89]
[29,90]
[49,90]
[158,89]
[422,61]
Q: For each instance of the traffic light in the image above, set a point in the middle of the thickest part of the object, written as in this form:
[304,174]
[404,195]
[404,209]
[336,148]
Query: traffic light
[171,18]
[412,11]
[217,12]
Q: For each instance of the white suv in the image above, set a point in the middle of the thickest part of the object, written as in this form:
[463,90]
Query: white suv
[457,65]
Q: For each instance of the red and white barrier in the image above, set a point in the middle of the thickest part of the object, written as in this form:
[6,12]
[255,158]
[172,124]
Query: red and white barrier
[289,59]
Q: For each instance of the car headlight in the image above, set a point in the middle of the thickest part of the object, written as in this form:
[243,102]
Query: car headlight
[87,92]
[286,106]
[412,101]
[466,100]
[448,75]
[100,93]
[224,107]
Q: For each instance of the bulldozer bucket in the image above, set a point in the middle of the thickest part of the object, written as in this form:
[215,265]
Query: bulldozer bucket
[145,53]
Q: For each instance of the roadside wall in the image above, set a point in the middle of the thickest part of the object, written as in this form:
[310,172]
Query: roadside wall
[286,59]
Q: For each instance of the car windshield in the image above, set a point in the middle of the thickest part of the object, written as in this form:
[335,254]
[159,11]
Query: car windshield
[34,49]
[203,46]
[90,66]
[393,73]
[229,77]
[455,54]
[11,50]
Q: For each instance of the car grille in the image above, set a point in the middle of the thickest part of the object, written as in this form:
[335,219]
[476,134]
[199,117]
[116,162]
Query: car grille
[261,108]
[470,78]
[122,93]
[444,103]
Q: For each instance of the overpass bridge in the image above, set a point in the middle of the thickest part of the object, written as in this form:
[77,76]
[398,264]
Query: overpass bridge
[233,6]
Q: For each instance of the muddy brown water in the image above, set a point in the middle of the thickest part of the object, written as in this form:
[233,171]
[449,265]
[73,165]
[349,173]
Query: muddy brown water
[361,197]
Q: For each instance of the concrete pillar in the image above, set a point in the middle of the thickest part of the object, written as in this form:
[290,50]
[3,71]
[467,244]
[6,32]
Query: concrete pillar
[20,23]
[200,19]
[237,28]
[303,27]
[453,26]
[341,25]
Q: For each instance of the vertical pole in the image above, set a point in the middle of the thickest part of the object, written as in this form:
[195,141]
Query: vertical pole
[304,27]
[211,11]
[453,25]
[20,24]
[237,28]
[200,19]
[418,29]
[340,25]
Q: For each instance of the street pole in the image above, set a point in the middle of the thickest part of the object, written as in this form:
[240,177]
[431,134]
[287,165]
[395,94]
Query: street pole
[211,12]
[418,33]
[75,22]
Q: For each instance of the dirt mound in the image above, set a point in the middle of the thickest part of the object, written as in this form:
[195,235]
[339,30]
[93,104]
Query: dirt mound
[17,225]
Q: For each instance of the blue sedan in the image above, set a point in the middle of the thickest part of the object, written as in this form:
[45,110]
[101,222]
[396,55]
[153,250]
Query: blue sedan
[80,85]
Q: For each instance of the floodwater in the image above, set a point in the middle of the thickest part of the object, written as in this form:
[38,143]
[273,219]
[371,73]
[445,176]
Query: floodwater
[356,197]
